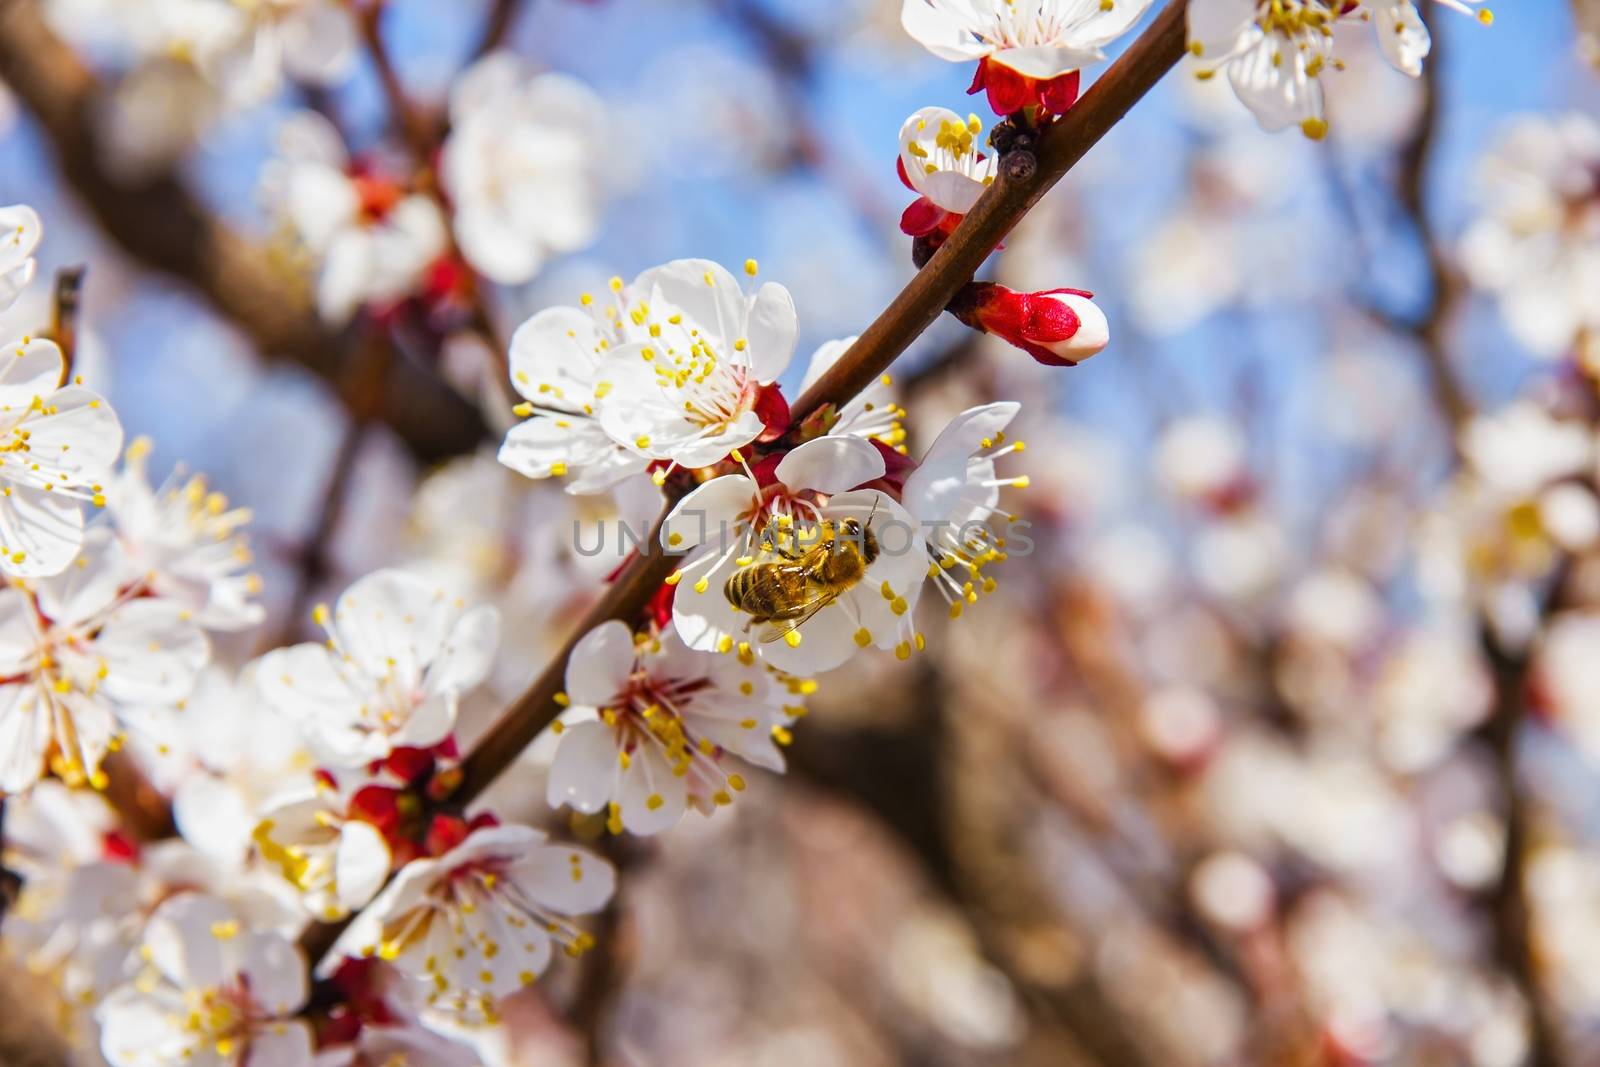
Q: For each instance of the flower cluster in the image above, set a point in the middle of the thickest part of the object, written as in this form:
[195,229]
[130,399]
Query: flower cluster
[520,183]
[676,369]
[800,544]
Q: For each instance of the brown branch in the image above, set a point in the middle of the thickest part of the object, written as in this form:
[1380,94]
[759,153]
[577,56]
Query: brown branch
[144,812]
[497,27]
[914,310]
[64,310]
[416,129]
[1443,288]
[159,222]
[1508,903]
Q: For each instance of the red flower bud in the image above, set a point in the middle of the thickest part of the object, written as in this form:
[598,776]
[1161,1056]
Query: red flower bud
[1057,327]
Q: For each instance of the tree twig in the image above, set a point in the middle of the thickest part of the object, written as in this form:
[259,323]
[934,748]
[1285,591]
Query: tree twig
[1508,899]
[1429,329]
[414,127]
[497,26]
[64,309]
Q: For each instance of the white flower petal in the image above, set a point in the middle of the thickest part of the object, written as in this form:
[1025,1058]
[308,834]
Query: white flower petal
[600,663]
[549,875]
[771,331]
[275,971]
[582,771]
[709,514]
[281,1044]
[830,464]
[25,735]
[361,864]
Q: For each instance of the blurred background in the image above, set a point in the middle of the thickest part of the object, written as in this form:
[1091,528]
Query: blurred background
[1281,747]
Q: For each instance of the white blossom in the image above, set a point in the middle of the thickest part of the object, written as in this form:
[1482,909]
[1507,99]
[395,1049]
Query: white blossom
[656,727]
[76,652]
[217,993]
[1036,38]
[687,392]
[941,159]
[57,445]
[401,651]
[670,369]
[522,167]
[723,525]
[184,541]
[335,864]
[370,240]
[1536,244]
[480,922]
[1275,53]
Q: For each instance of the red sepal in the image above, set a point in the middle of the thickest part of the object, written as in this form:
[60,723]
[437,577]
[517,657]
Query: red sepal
[445,832]
[118,847]
[897,466]
[923,217]
[1059,93]
[1010,92]
[659,610]
[774,412]
[411,765]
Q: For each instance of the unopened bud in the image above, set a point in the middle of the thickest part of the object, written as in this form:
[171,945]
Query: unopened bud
[1058,327]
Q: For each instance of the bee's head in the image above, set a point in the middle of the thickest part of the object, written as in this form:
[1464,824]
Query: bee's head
[852,529]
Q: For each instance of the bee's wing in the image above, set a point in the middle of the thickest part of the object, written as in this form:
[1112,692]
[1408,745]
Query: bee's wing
[778,630]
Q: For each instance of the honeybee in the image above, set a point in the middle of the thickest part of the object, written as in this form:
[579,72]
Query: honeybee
[784,595]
